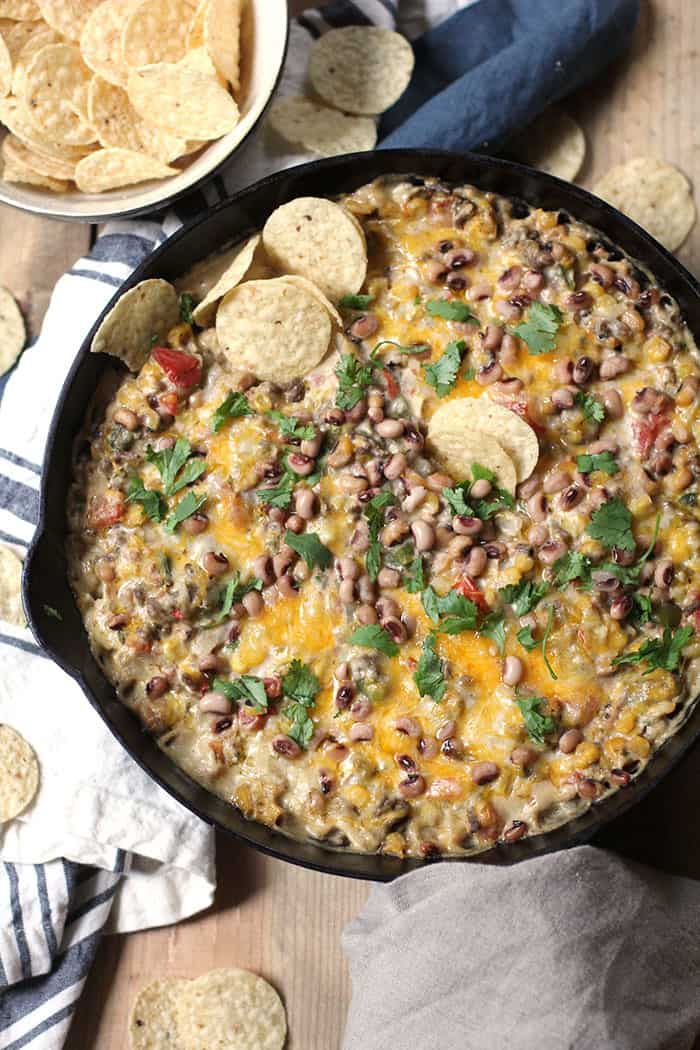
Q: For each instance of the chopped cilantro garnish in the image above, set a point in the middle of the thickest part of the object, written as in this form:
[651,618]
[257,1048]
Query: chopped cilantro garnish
[353,379]
[373,636]
[442,374]
[234,592]
[300,687]
[494,627]
[289,426]
[629,574]
[604,461]
[186,307]
[187,506]
[593,409]
[611,524]
[233,407]
[355,302]
[451,310]
[545,639]
[309,547]
[246,687]
[641,609]
[279,495]
[175,466]
[374,513]
[659,653]
[414,577]
[540,329]
[150,499]
[498,499]
[523,596]
[538,726]
[460,613]
[430,675]
[456,500]
[572,566]
[527,639]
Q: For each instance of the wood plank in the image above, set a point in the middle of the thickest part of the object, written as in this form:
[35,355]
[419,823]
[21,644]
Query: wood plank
[285,922]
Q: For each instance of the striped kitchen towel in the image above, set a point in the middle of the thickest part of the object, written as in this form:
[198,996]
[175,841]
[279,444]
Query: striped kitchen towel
[102,847]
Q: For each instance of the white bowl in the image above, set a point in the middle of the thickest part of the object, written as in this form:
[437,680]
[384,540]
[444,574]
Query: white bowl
[264,36]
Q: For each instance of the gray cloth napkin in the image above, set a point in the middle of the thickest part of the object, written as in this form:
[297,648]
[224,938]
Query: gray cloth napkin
[579,950]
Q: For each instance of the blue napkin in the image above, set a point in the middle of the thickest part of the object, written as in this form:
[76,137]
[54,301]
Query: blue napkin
[491,68]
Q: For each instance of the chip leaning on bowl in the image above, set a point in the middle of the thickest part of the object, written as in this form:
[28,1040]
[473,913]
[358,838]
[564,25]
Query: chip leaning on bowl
[416,583]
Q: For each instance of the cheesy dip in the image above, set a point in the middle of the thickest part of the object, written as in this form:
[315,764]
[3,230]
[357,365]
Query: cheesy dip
[397,549]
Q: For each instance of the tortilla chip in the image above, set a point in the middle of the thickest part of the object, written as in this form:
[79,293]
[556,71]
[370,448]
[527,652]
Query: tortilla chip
[312,289]
[460,447]
[5,68]
[13,336]
[654,194]
[222,38]
[316,239]
[54,82]
[15,151]
[204,312]
[195,35]
[118,124]
[21,10]
[361,69]
[41,36]
[177,98]
[67,17]
[13,114]
[231,1010]
[554,143]
[153,1020]
[274,329]
[320,129]
[16,170]
[108,169]
[101,40]
[156,31]
[481,414]
[17,34]
[147,311]
[19,773]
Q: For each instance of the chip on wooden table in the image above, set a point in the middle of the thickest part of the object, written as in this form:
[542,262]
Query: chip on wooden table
[230,1010]
[317,239]
[653,193]
[153,1020]
[108,169]
[118,125]
[554,143]
[19,772]
[361,69]
[320,129]
[482,414]
[13,334]
[222,38]
[204,312]
[273,329]
[144,314]
[179,99]
[54,78]
[460,449]
[67,17]
[156,31]
[101,40]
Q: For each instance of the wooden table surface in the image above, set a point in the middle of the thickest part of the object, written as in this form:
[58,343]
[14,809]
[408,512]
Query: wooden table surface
[276,919]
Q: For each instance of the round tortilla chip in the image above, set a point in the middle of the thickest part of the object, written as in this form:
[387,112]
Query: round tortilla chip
[516,437]
[231,1010]
[274,329]
[156,31]
[653,193]
[5,68]
[67,17]
[17,171]
[234,273]
[118,124]
[54,82]
[316,239]
[153,1018]
[461,447]
[17,34]
[320,129]
[14,115]
[361,69]
[19,773]
[222,38]
[20,10]
[312,289]
[101,40]
[11,610]
[108,169]
[41,37]
[13,336]
[149,309]
[176,97]
[17,154]
[554,143]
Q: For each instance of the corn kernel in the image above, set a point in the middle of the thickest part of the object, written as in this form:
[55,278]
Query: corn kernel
[576,242]
[586,754]
[357,795]
[615,747]
[657,349]
[546,220]
[639,746]
[626,722]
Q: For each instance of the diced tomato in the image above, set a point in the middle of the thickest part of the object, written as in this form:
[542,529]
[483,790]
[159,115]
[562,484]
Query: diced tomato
[647,430]
[177,614]
[105,511]
[392,387]
[468,589]
[184,370]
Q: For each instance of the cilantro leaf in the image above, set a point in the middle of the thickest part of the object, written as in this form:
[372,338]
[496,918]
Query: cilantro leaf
[527,639]
[641,609]
[279,495]
[545,639]
[414,348]
[481,473]
[300,686]
[442,374]
[353,379]
[659,653]
[455,498]
[233,407]
[589,462]
[373,636]
[572,566]
[355,302]
[53,613]
[591,407]
[189,473]
[246,687]
[170,462]
[187,506]
[374,513]
[540,329]
[430,676]
[611,524]
[186,307]
[498,499]
[234,592]
[150,499]
[451,310]
[309,547]
[460,613]
[494,627]
[538,726]
[414,577]
[523,596]
[289,426]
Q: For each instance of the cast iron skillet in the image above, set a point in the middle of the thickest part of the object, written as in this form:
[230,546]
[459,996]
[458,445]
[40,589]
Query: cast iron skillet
[45,574]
